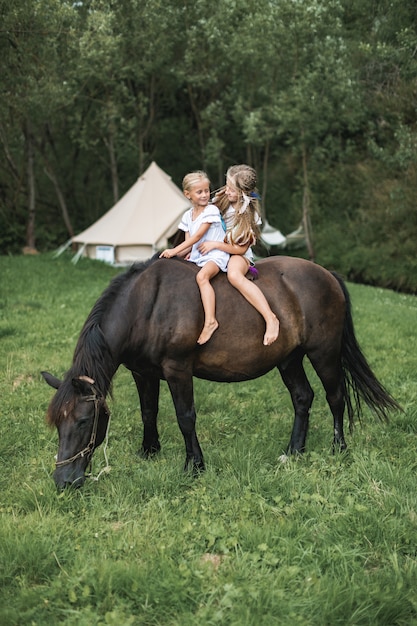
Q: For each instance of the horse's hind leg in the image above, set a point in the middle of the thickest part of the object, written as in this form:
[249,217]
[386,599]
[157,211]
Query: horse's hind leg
[329,370]
[148,390]
[295,379]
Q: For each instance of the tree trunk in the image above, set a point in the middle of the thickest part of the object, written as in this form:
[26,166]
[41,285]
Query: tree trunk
[265,181]
[144,129]
[9,158]
[30,228]
[61,199]
[197,118]
[113,164]
[306,207]
[49,171]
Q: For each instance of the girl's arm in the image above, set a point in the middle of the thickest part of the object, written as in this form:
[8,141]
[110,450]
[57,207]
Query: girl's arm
[230,248]
[184,247]
[185,253]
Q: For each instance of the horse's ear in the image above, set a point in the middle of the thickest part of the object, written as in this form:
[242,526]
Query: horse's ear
[51,380]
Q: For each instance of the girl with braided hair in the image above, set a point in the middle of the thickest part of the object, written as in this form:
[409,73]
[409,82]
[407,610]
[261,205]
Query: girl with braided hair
[238,203]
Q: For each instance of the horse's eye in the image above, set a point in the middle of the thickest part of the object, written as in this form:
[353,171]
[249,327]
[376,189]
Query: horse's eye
[83,423]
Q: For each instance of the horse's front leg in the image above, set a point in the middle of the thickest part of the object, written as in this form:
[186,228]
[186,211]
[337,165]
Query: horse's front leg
[180,382]
[148,390]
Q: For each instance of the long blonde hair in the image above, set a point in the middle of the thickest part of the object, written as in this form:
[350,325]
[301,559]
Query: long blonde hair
[245,228]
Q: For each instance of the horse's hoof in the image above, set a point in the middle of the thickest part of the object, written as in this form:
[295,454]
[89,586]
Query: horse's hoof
[149,453]
[196,468]
[284,458]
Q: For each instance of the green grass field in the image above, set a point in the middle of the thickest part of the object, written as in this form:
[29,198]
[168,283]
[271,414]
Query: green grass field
[320,540]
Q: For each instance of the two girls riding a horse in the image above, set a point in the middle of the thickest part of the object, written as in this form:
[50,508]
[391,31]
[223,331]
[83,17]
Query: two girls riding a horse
[218,237]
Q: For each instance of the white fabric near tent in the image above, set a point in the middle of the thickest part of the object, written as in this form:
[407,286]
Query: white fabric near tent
[271,236]
[139,224]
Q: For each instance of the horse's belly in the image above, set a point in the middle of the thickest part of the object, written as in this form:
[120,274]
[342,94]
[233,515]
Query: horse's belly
[221,366]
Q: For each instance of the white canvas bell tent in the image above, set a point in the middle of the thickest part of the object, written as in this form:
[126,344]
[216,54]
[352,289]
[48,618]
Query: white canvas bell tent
[139,224]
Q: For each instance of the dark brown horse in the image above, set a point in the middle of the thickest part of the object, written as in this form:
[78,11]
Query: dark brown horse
[149,319]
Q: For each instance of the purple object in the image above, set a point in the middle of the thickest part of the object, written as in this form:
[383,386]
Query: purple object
[253,272]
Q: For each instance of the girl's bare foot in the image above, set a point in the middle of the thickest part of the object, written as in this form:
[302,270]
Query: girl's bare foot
[272,331]
[207,332]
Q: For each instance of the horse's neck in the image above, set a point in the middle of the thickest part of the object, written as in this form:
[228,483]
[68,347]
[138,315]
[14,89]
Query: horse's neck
[96,359]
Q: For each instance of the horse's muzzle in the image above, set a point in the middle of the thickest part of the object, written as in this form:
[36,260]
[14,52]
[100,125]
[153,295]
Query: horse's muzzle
[64,478]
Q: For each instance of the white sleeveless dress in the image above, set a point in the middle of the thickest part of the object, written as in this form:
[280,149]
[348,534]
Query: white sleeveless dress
[211,215]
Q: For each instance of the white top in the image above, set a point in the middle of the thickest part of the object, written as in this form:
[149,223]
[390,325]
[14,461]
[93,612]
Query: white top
[211,215]
[229,220]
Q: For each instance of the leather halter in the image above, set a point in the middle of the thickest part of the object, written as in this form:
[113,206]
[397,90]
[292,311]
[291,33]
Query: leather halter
[89,449]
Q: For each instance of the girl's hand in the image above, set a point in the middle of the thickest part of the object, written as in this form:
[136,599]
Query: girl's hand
[207,246]
[167,254]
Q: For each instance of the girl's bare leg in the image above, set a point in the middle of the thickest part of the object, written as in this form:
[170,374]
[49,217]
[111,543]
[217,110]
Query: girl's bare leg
[236,272]
[208,299]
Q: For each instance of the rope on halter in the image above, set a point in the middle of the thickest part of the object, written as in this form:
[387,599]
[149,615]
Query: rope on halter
[107,467]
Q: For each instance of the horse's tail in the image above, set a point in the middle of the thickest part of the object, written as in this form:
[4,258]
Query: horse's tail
[359,380]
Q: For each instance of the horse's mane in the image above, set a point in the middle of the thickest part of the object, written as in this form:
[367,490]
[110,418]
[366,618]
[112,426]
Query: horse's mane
[92,355]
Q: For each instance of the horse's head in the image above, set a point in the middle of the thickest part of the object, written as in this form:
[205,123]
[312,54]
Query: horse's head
[81,416]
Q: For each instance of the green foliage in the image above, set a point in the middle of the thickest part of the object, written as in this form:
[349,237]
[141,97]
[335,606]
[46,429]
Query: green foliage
[312,94]
[323,539]
[373,238]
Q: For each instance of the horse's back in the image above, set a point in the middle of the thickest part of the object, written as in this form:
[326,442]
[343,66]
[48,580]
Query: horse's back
[302,294]
[307,296]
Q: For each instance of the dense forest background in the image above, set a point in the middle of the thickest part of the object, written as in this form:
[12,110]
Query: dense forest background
[319,95]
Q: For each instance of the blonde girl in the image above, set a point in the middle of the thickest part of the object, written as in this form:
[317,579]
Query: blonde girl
[200,223]
[239,206]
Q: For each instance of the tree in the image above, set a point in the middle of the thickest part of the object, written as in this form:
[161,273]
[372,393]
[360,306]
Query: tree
[318,100]
[32,43]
